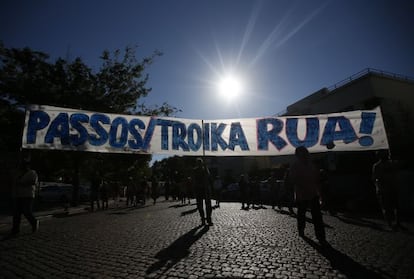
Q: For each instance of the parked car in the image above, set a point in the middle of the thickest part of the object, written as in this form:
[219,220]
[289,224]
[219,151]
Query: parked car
[61,192]
[55,192]
[84,192]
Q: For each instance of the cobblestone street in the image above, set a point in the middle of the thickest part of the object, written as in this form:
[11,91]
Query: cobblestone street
[166,241]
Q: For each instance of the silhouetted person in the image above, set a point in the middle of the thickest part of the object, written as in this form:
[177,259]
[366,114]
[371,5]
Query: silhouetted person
[274,189]
[130,192]
[217,187]
[104,195]
[326,194]
[182,192]
[154,189]
[189,189]
[244,192]
[289,192]
[384,176]
[143,188]
[95,189]
[167,189]
[305,178]
[24,189]
[202,189]
[254,196]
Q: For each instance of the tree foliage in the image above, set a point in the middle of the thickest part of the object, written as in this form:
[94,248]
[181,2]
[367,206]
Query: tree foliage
[29,77]
[117,85]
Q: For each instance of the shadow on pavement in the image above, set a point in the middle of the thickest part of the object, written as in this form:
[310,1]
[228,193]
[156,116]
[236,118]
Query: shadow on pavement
[178,205]
[178,250]
[360,222]
[343,263]
[123,210]
[309,220]
[187,212]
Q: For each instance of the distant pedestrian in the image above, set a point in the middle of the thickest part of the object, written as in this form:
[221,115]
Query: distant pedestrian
[181,192]
[23,191]
[115,191]
[154,189]
[384,176]
[189,189]
[254,197]
[326,193]
[217,189]
[104,195]
[244,192]
[143,188]
[305,178]
[95,191]
[167,190]
[130,192]
[289,192]
[202,188]
[274,183]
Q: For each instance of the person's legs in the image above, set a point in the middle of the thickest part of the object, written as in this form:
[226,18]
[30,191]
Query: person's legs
[317,219]
[17,211]
[27,206]
[199,200]
[208,210]
[301,217]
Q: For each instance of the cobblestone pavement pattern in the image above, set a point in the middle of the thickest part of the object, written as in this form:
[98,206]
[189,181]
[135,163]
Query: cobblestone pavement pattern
[167,241]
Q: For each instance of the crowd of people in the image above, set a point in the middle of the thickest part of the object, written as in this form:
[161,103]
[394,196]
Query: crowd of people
[302,185]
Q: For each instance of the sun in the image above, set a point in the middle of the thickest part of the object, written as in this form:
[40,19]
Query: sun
[230,87]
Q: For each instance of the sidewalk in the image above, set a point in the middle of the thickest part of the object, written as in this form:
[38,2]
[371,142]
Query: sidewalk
[6,219]
[166,240]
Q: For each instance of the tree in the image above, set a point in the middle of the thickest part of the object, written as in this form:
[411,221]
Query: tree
[29,77]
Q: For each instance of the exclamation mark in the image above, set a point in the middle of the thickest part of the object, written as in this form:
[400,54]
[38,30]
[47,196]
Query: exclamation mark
[367,125]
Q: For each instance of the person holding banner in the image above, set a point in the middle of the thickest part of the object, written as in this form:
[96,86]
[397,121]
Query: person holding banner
[305,177]
[202,188]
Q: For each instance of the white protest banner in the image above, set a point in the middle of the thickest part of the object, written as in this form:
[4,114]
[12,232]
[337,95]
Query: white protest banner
[49,127]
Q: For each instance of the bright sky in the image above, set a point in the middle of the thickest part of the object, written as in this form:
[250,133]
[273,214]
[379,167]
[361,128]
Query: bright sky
[279,51]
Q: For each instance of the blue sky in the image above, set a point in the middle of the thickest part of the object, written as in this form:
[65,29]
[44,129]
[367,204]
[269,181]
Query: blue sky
[281,51]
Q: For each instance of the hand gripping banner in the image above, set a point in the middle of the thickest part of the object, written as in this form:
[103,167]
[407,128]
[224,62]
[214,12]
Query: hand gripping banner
[57,128]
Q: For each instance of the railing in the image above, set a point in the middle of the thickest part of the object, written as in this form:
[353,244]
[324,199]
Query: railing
[366,72]
[356,76]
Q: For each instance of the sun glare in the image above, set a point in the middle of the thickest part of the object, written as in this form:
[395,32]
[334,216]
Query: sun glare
[230,87]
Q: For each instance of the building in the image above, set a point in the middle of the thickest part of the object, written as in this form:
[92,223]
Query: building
[351,171]
[366,90]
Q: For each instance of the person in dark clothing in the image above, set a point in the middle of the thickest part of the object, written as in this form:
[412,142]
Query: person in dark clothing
[143,187]
[95,191]
[218,188]
[167,189]
[275,189]
[326,193]
[202,189]
[384,177]
[289,193]
[154,189]
[189,189]
[104,195]
[24,189]
[244,192]
[305,178]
